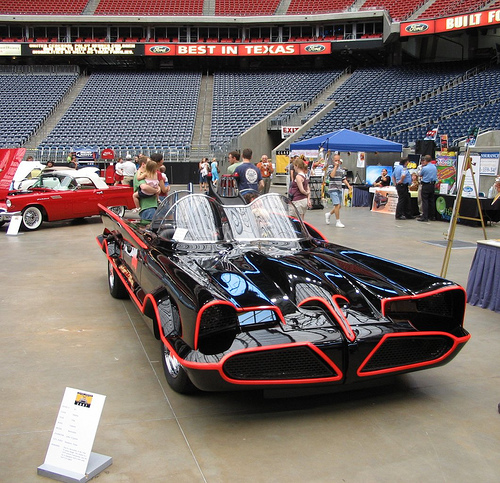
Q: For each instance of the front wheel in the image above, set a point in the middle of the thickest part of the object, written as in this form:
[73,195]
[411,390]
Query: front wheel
[116,287]
[175,374]
[117,210]
[32,217]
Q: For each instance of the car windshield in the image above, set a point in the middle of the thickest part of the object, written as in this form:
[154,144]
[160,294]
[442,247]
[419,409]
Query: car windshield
[196,218]
[55,181]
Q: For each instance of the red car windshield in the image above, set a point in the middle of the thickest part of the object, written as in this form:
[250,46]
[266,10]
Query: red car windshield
[55,181]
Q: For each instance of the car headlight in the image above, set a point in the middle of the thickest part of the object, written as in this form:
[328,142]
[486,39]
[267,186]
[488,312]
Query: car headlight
[8,203]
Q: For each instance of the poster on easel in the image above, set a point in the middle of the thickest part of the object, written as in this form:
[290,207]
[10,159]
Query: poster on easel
[468,189]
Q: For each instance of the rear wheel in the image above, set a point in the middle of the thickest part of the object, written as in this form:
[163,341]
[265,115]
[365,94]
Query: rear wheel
[117,210]
[32,217]
[175,374]
[116,287]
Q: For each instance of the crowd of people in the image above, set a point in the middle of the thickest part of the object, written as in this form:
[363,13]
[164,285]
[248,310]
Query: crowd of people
[332,176]
[423,181]
[147,177]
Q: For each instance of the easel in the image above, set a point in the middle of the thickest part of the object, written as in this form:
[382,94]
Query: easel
[467,165]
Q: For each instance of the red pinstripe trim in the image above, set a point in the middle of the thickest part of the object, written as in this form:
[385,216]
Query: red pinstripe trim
[336,314]
[456,342]
[219,365]
[99,243]
[385,301]
[140,306]
[238,310]
[125,282]
[123,225]
[329,362]
[323,237]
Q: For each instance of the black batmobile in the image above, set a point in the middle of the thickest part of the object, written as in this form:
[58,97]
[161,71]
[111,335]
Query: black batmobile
[245,295]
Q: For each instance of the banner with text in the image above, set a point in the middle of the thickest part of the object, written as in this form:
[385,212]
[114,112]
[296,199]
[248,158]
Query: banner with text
[250,49]
[220,49]
[483,18]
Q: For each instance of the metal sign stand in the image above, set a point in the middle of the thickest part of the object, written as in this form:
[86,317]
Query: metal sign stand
[456,209]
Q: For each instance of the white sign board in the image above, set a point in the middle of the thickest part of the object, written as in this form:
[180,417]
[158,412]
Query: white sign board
[287,131]
[489,164]
[75,430]
[468,191]
[14,225]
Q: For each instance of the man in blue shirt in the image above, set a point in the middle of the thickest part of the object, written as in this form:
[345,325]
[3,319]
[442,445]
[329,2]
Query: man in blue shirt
[401,178]
[428,175]
[248,175]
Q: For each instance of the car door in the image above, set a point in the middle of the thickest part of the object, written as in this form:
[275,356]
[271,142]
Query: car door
[57,194]
[88,196]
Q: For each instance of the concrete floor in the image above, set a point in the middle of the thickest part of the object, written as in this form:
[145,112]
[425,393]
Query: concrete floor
[60,328]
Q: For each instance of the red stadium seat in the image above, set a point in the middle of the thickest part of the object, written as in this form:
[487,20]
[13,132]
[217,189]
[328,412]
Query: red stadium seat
[149,7]
[42,7]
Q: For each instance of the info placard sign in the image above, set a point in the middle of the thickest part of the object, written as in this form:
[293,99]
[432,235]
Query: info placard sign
[74,431]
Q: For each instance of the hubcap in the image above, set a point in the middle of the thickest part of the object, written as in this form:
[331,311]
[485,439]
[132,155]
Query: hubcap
[111,277]
[31,218]
[172,363]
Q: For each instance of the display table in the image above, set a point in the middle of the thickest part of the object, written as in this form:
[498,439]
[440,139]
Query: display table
[483,284]
[468,207]
[361,195]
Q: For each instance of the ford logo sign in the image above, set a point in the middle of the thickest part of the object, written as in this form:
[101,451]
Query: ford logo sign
[416,28]
[160,49]
[315,48]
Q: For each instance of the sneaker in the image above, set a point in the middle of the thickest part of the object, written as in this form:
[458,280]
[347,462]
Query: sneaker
[339,224]
[327,218]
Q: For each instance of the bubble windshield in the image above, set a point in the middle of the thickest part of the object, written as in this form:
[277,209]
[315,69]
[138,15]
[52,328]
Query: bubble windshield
[197,218]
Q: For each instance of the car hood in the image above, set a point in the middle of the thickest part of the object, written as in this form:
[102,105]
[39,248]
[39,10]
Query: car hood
[9,162]
[256,278]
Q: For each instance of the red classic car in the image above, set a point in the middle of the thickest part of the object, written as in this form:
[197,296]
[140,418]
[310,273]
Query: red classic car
[64,194]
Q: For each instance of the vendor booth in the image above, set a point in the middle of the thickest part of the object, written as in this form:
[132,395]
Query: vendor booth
[345,140]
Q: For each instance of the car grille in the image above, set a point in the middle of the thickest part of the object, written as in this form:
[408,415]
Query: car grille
[437,304]
[404,351]
[278,364]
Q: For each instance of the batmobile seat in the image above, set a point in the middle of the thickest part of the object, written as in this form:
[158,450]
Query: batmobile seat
[166,231]
[227,191]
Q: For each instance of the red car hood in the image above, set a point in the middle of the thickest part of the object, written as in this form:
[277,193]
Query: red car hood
[9,161]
